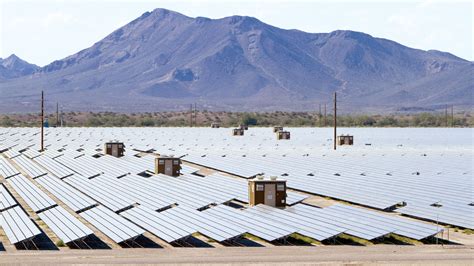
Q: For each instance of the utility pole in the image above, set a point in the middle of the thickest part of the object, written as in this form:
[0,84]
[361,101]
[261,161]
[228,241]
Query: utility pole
[446,115]
[325,116]
[42,121]
[195,115]
[335,119]
[191,116]
[319,115]
[57,114]
[62,117]
[452,115]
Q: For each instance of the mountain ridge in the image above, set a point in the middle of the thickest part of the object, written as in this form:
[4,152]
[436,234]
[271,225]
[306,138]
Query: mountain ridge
[14,67]
[165,60]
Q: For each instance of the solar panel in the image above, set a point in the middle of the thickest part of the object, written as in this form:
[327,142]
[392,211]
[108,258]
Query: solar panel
[31,153]
[111,224]
[164,227]
[7,145]
[74,199]
[29,167]
[200,198]
[67,227]
[441,214]
[124,165]
[103,166]
[350,227]
[53,167]
[17,225]
[12,153]
[31,194]
[264,229]
[78,166]
[303,225]
[6,200]
[104,195]
[135,194]
[205,224]
[186,169]
[6,168]
[153,187]
[395,224]
[146,162]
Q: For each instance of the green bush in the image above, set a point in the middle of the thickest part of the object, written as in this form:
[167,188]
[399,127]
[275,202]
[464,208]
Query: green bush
[60,243]
[249,120]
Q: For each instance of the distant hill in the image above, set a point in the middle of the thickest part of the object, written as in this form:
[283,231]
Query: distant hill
[164,60]
[13,67]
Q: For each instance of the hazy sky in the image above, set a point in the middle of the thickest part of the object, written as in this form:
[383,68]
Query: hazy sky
[47,30]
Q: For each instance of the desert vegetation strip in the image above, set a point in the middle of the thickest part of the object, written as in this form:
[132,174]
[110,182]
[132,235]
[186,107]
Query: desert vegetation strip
[230,119]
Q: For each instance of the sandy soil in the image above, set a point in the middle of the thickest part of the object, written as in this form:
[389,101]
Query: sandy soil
[321,255]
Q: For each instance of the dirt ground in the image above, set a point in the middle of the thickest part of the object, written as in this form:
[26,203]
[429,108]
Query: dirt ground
[284,255]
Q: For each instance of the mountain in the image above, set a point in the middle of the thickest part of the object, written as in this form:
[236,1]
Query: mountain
[164,60]
[14,67]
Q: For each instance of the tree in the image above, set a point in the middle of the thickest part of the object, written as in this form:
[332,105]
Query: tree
[7,121]
[249,120]
[147,122]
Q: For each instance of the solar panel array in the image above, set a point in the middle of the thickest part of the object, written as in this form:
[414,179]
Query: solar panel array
[407,174]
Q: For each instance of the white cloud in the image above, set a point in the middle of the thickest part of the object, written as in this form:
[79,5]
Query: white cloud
[401,20]
[426,3]
[57,18]
[17,21]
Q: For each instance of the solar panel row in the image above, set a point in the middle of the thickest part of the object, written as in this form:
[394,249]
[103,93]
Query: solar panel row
[74,199]
[36,199]
[53,167]
[17,225]
[366,224]
[162,226]
[255,225]
[219,230]
[112,224]
[6,168]
[67,227]
[302,225]
[29,167]
[6,200]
